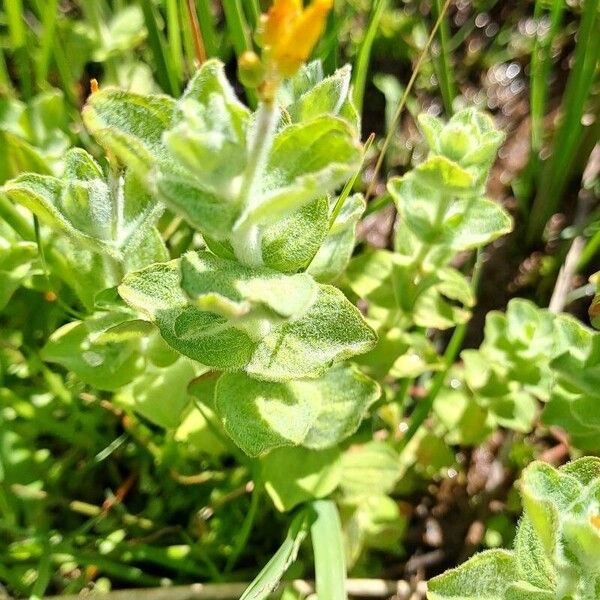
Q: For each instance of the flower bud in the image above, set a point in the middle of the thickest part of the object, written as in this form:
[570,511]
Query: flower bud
[251,71]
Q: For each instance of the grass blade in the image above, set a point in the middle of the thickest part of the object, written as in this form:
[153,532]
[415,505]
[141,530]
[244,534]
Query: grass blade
[269,577]
[165,71]
[18,41]
[541,63]
[558,170]
[328,548]
[207,27]
[174,37]
[443,63]
[47,38]
[361,66]
[239,34]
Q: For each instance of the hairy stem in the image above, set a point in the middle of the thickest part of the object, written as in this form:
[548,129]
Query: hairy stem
[247,236]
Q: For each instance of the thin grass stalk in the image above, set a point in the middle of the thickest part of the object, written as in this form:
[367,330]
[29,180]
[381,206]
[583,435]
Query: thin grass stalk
[206,20]
[165,71]
[47,41]
[240,36]
[175,37]
[361,66]
[199,48]
[557,171]
[443,62]
[187,42]
[402,103]
[253,13]
[541,64]
[65,74]
[18,41]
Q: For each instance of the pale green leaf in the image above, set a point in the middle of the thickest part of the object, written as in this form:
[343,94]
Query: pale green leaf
[486,576]
[315,413]
[295,475]
[334,253]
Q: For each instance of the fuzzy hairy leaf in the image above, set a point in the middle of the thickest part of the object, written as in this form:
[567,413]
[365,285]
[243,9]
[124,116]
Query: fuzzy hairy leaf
[247,322]
[314,413]
[160,394]
[309,94]
[556,546]
[368,469]
[81,204]
[334,253]
[486,576]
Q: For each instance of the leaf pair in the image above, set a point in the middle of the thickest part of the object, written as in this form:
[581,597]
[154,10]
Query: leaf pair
[230,317]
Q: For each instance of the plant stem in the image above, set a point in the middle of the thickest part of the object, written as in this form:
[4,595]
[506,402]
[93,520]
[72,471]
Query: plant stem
[424,407]
[246,241]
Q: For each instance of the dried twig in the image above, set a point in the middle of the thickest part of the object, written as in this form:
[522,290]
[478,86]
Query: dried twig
[361,588]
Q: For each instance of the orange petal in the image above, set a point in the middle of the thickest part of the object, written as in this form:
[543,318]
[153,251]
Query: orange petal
[295,48]
[279,20]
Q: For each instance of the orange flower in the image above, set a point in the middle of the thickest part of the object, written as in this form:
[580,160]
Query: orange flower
[292,31]
[595,521]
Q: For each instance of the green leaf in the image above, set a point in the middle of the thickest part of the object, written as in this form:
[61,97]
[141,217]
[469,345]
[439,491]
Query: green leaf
[310,95]
[525,591]
[370,469]
[82,204]
[546,494]
[124,31]
[160,394]
[131,125]
[482,222]
[289,244]
[315,413]
[106,365]
[156,292]
[334,253]
[330,331]
[260,416]
[17,262]
[486,576]
[534,565]
[207,152]
[306,161]
[203,274]
[295,475]
[346,395]
[586,469]
[376,522]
